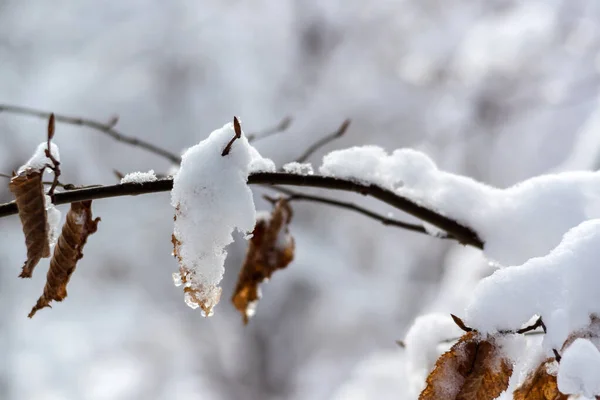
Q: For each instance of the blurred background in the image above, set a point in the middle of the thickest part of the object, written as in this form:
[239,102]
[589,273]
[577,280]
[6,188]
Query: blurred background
[498,90]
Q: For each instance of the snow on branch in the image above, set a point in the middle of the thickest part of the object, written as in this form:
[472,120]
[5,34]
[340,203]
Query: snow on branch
[523,221]
[543,233]
[211,200]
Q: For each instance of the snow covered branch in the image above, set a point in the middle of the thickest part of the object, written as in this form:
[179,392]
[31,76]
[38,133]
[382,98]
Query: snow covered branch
[462,233]
[542,281]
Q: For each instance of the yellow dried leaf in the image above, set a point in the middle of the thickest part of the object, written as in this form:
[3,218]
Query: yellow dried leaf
[271,248]
[68,251]
[473,369]
[540,385]
[29,193]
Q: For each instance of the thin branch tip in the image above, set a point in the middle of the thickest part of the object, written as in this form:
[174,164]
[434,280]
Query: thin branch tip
[313,148]
[281,126]
[343,127]
[50,129]
[237,128]
[296,196]
[105,128]
[459,322]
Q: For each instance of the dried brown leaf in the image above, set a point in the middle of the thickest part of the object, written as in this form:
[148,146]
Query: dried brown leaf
[540,385]
[29,193]
[68,251]
[271,248]
[473,369]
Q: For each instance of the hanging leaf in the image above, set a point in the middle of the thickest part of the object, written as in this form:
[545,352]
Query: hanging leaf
[473,369]
[29,193]
[540,385]
[271,248]
[68,251]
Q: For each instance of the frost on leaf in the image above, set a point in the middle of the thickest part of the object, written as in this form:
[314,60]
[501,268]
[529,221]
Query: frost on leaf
[68,251]
[196,294]
[271,248]
[540,384]
[211,200]
[472,369]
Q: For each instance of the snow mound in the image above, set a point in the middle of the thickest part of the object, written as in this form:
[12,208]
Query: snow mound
[212,200]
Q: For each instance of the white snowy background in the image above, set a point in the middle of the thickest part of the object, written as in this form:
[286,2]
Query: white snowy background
[497,90]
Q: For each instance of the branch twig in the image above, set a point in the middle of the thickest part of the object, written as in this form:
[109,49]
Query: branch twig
[323,141]
[295,196]
[463,234]
[108,129]
[55,167]
[281,126]
[402,344]
[238,134]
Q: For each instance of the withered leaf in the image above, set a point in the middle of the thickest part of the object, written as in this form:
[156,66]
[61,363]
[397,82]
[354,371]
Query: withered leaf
[540,385]
[68,251]
[29,193]
[473,369]
[271,248]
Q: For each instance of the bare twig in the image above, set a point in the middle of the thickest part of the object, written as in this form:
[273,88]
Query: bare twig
[106,128]
[463,234]
[281,126]
[55,167]
[295,196]
[118,174]
[238,134]
[460,323]
[402,344]
[323,141]
[538,323]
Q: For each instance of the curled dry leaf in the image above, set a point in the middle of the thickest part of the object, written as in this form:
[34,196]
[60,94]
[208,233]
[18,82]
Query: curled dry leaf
[540,385]
[68,251]
[473,369]
[29,192]
[271,248]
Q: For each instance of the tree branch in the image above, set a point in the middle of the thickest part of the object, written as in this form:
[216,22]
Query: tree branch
[295,196]
[463,234]
[339,132]
[281,126]
[106,128]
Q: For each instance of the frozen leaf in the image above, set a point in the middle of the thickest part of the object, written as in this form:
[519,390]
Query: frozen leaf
[68,251]
[540,385]
[29,192]
[271,248]
[473,369]
[195,294]
[212,200]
